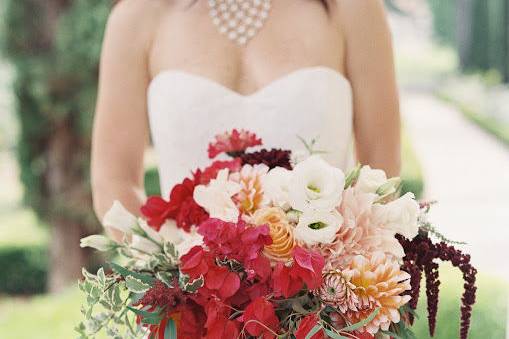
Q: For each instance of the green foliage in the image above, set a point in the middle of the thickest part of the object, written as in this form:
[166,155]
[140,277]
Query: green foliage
[106,293]
[411,172]
[54,47]
[24,270]
[111,298]
[444,20]
[152,186]
[485,42]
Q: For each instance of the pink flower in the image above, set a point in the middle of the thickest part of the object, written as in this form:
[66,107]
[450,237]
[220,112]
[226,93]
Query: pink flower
[308,265]
[233,142]
[211,172]
[362,232]
[235,240]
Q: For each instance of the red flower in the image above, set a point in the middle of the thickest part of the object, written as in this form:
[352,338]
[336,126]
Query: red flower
[308,266]
[221,280]
[157,211]
[306,269]
[195,263]
[233,142]
[181,207]
[306,325]
[192,322]
[259,317]
[223,329]
[235,240]
[218,324]
[211,172]
[284,282]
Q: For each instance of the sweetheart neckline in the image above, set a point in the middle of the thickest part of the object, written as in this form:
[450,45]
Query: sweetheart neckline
[173,72]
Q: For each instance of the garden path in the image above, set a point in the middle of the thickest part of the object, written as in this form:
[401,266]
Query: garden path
[467,172]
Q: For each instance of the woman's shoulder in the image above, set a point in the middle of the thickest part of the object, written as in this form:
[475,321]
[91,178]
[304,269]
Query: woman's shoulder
[138,10]
[360,13]
[361,6]
[362,18]
[134,22]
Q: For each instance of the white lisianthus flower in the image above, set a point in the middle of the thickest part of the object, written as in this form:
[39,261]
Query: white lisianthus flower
[318,227]
[316,185]
[275,187]
[99,242]
[216,197]
[120,219]
[370,180]
[400,216]
[144,245]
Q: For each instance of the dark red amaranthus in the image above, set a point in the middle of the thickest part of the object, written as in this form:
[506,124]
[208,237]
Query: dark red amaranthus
[272,158]
[420,257]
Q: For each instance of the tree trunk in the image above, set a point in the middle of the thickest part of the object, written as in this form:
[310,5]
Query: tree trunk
[506,42]
[62,181]
[66,259]
[464,30]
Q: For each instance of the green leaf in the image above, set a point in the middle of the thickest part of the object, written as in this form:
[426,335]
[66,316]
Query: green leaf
[170,250]
[193,286]
[153,318]
[333,335]
[353,176]
[88,275]
[101,276]
[391,334]
[136,285]
[170,331]
[314,331]
[361,323]
[166,278]
[147,279]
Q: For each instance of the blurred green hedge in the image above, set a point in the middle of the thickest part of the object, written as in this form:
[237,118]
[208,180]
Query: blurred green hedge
[24,270]
[477,29]
[152,182]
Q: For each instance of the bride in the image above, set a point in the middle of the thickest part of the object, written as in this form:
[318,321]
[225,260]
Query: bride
[183,71]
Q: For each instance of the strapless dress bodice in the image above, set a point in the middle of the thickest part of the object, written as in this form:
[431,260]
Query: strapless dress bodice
[186,111]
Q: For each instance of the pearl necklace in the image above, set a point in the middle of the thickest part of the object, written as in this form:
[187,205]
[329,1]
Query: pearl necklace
[239,20]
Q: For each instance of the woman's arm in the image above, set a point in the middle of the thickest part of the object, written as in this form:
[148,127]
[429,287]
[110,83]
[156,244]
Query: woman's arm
[120,127]
[370,68]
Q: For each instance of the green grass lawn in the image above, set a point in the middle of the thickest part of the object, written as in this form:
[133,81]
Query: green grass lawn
[53,317]
[489,314]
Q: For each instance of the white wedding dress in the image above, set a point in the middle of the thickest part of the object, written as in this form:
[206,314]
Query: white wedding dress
[186,111]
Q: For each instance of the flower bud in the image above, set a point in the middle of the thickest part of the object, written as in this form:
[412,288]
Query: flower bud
[99,242]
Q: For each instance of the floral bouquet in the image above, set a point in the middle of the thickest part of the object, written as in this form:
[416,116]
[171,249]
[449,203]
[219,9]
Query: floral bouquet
[265,245]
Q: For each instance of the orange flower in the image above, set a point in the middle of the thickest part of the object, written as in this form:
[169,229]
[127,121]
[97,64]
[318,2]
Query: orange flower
[250,197]
[281,232]
[379,283]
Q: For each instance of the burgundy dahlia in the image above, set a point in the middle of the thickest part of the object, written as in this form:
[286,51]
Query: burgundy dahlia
[272,158]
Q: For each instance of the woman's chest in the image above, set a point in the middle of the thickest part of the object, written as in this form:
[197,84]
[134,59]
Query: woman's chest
[296,34]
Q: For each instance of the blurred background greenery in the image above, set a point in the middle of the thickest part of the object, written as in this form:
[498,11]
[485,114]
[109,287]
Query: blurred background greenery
[458,55]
